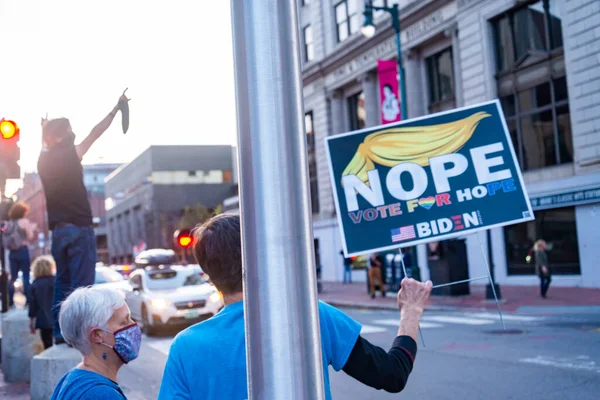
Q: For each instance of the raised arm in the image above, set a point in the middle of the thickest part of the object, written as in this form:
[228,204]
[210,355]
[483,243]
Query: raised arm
[99,129]
[390,370]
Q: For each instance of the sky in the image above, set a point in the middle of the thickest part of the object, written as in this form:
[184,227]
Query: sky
[73,58]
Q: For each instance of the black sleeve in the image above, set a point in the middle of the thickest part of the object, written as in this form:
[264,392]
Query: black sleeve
[371,365]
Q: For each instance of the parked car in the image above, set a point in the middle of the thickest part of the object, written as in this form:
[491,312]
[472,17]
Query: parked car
[107,277]
[175,295]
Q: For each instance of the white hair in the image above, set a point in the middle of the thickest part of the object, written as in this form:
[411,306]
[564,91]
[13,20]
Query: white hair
[85,309]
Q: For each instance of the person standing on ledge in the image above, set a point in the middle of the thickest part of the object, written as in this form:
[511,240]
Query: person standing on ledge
[69,211]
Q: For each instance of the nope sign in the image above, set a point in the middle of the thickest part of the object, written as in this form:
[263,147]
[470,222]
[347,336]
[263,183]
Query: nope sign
[426,179]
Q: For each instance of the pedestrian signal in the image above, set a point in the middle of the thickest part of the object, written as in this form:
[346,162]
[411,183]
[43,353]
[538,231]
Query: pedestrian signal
[9,129]
[9,150]
[184,238]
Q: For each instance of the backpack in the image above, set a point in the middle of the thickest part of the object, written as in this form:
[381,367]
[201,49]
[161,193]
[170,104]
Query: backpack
[11,238]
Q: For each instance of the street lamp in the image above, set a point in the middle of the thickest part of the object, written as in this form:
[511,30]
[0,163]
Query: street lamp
[368,30]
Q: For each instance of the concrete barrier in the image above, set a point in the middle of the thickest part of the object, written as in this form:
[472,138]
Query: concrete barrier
[48,367]
[18,346]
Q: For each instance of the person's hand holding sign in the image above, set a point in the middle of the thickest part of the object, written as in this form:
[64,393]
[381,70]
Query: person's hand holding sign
[412,298]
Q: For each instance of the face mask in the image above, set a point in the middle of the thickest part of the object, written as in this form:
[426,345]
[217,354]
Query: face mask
[128,341]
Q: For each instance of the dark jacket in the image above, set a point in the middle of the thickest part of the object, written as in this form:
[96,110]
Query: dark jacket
[541,259]
[40,301]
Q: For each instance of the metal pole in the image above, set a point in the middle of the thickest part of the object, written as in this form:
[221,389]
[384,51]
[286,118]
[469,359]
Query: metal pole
[280,298]
[396,23]
[492,292]
[4,281]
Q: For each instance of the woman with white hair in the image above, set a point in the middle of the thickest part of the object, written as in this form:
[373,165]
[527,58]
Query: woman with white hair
[97,322]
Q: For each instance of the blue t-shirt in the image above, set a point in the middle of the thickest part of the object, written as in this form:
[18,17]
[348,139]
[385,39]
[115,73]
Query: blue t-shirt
[208,360]
[79,384]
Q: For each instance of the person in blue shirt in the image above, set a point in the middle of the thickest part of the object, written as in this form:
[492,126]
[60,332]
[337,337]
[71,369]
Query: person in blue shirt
[97,322]
[208,360]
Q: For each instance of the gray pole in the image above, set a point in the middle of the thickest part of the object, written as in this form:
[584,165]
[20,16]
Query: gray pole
[280,298]
[396,23]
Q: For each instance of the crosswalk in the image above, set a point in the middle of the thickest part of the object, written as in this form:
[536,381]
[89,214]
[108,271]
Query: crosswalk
[441,321]
[380,326]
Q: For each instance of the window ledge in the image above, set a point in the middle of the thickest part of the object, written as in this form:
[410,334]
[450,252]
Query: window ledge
[588,162]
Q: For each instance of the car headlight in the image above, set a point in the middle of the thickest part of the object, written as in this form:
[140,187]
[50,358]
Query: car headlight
[159,304]
[216,297]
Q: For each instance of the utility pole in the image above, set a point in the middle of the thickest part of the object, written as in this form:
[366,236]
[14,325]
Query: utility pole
[280,293]
[4,281]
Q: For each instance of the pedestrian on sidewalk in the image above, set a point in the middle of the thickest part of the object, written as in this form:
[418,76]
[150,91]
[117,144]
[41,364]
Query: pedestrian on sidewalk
[375,274]
[347,268]
[17,235]
[542,267]
[69,212]
[97,322]
[217,369]
[40,298]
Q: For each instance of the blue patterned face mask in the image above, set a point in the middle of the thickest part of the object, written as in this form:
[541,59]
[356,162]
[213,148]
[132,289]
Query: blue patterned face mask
[128,341]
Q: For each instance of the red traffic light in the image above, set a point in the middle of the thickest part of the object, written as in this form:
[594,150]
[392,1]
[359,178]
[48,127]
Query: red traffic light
[8,129]
[184,238]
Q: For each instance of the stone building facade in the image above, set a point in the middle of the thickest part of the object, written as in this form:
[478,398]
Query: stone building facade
[540,58]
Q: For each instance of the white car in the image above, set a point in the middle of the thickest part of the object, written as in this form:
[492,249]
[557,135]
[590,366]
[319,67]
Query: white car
[171,296]
[109,278]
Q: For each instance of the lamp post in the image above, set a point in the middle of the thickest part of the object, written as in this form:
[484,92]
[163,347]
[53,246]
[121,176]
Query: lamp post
[368,30]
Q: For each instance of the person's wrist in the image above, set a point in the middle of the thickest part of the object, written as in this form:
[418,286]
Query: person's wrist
[411,311]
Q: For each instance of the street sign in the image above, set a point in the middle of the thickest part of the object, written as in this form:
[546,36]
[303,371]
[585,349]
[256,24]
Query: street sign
[426,179]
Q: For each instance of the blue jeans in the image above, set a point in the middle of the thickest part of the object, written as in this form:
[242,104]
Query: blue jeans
[545,283]
[348,273]
[74,251]
[19,261]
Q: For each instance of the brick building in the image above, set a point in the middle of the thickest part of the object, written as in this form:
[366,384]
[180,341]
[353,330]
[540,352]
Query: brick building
[539,57]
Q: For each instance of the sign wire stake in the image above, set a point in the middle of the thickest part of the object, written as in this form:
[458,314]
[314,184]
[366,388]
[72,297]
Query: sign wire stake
[406,276]
[459,282]
[487,267]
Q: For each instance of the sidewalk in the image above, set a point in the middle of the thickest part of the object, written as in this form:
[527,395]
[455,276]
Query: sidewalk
[513,297]
[13,391]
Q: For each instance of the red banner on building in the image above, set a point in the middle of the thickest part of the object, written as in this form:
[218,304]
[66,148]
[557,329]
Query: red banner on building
[388,91]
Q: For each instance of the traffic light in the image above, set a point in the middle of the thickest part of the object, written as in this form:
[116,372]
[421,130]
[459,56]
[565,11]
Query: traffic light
[9,150]
[184,238]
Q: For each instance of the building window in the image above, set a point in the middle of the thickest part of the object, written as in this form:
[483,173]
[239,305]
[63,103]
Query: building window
[305,2]
[440,76]
[558,228]
[357,111]
[527,31]
[312,161]
[532,86]
[309,48]
[347,18]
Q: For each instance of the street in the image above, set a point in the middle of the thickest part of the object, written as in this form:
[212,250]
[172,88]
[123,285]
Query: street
[557,356]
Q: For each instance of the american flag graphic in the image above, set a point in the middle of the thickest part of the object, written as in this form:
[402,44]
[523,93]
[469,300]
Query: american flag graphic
[404,233]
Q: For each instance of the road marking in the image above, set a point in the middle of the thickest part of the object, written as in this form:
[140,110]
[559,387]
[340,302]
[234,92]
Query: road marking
[366,329]
[565,363]
[508,317]
[396,323]
[458,320]
[162,345]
